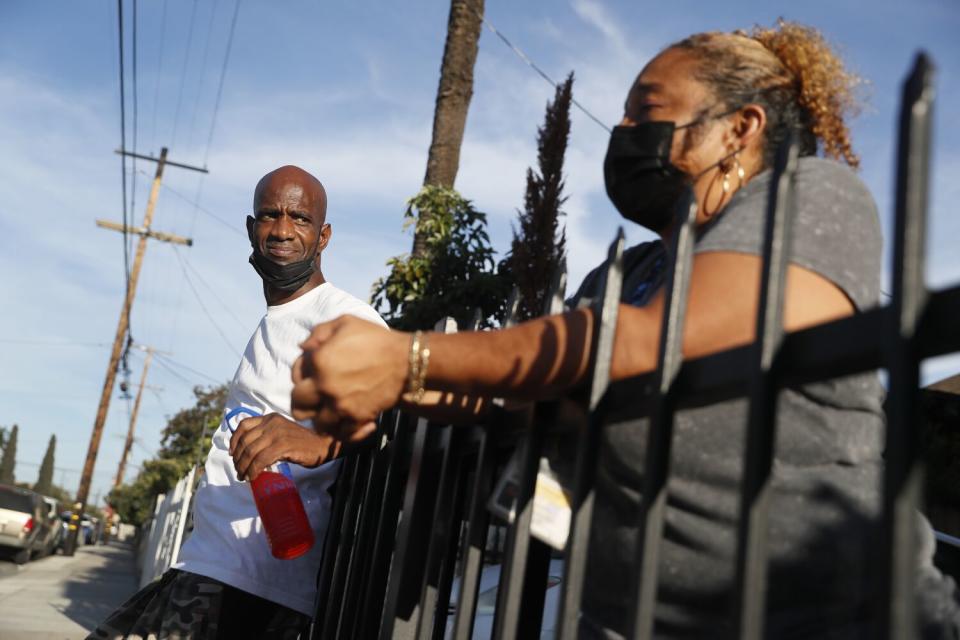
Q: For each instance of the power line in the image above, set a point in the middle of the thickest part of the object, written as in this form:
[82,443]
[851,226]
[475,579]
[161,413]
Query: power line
[203,70]
[64,469]
[143,447]
[136,124]
[53,343]
[183,73]
[175,363]
[156,91]
[530,63]
[223,74]
[206,311]
[168,365]
[123,158]
[187,199]
[163,405]
[190,385]
[213,293]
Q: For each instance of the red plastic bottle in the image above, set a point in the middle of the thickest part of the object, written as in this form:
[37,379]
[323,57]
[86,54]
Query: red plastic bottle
[284,519]
[285,522]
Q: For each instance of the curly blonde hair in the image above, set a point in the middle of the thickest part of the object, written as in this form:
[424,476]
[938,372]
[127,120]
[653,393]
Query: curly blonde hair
[793,73]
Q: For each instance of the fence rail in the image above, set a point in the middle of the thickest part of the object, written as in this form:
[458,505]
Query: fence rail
[411,520]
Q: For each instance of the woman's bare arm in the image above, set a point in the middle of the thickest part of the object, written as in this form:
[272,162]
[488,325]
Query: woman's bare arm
[353,369]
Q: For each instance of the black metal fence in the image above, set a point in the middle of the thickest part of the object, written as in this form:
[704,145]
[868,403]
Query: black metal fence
[411,516]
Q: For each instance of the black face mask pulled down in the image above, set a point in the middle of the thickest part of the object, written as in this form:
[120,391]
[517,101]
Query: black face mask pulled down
[283,277]
[641,181]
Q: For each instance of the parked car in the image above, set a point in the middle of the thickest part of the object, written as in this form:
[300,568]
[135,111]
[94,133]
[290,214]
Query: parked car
[88,527]
[56,530]
[25,528]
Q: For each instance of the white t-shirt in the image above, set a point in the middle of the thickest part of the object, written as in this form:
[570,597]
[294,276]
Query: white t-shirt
[228,543]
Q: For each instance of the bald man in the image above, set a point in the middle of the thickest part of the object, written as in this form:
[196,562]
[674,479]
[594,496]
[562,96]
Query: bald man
[226,583]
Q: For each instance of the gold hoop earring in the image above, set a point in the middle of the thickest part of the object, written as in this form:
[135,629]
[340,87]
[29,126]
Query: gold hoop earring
[724,188]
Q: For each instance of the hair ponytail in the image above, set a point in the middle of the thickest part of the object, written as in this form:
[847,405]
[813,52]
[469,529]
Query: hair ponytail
[793,73]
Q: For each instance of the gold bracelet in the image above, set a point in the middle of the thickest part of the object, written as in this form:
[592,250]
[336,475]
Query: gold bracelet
[422,372]
[413,362]
[417,371]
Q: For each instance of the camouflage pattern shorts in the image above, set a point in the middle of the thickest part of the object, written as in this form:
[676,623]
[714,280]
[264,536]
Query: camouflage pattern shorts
[186,606]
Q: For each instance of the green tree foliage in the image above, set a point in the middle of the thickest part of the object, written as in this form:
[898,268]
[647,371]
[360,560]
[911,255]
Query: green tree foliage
[185,439]
[45,477]
[9,460]
[188,434]
[134,502]
[539,244]
[453,278]
[59,493]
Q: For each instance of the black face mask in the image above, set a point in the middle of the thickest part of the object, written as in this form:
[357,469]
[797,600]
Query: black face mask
[284,277]
[641,181]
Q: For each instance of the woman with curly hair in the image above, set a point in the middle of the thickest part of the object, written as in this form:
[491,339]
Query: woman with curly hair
[708,112]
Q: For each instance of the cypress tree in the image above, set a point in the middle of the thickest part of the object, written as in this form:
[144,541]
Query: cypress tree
[45,478]
[9,460]
[539,244]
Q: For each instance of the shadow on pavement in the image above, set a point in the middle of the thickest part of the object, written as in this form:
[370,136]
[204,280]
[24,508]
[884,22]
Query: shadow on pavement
[95,592]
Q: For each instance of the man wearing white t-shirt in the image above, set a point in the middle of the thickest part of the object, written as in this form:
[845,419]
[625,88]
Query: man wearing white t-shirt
[226,583]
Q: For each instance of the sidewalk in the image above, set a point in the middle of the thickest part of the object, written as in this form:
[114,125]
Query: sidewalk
[61,598]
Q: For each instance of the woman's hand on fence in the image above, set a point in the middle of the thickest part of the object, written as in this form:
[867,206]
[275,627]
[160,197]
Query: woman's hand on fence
[350,371]
[259,442]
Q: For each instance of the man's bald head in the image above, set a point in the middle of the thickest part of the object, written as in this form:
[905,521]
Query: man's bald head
[290,184]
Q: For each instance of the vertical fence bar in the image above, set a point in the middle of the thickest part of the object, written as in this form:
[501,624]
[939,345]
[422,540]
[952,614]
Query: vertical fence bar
[331,548]
[441,529]
[349,590]
[514,568]
[761,435]
[372,488]
[660,431]
[401,611]
[523,574]
[903,476]
[452,552]
[398,453]
[605,322]
[331,605]
[476,539]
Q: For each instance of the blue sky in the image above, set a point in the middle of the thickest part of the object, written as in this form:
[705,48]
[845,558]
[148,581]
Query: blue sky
[345,90]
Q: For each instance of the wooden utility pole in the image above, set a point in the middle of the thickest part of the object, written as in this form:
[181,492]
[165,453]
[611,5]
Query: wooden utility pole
[144,232]
[128,444]
[453,98]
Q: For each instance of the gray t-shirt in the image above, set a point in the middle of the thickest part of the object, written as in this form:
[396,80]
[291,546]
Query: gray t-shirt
[827,471]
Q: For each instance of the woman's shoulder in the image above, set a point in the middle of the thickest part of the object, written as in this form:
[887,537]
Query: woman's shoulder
[818,180]
[835,229]
[829,197]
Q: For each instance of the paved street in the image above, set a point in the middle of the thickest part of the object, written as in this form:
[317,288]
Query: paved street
[61,598]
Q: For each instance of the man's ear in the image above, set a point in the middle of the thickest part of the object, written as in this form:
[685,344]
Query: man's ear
[250,222]
[325,232]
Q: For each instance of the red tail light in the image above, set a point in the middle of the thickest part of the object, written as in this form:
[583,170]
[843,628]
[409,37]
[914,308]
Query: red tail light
[28,527]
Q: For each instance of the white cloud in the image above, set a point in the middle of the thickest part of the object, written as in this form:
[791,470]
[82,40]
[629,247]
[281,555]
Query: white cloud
[596,15]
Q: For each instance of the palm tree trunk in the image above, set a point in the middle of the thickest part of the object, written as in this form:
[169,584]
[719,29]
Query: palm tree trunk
[453,97]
